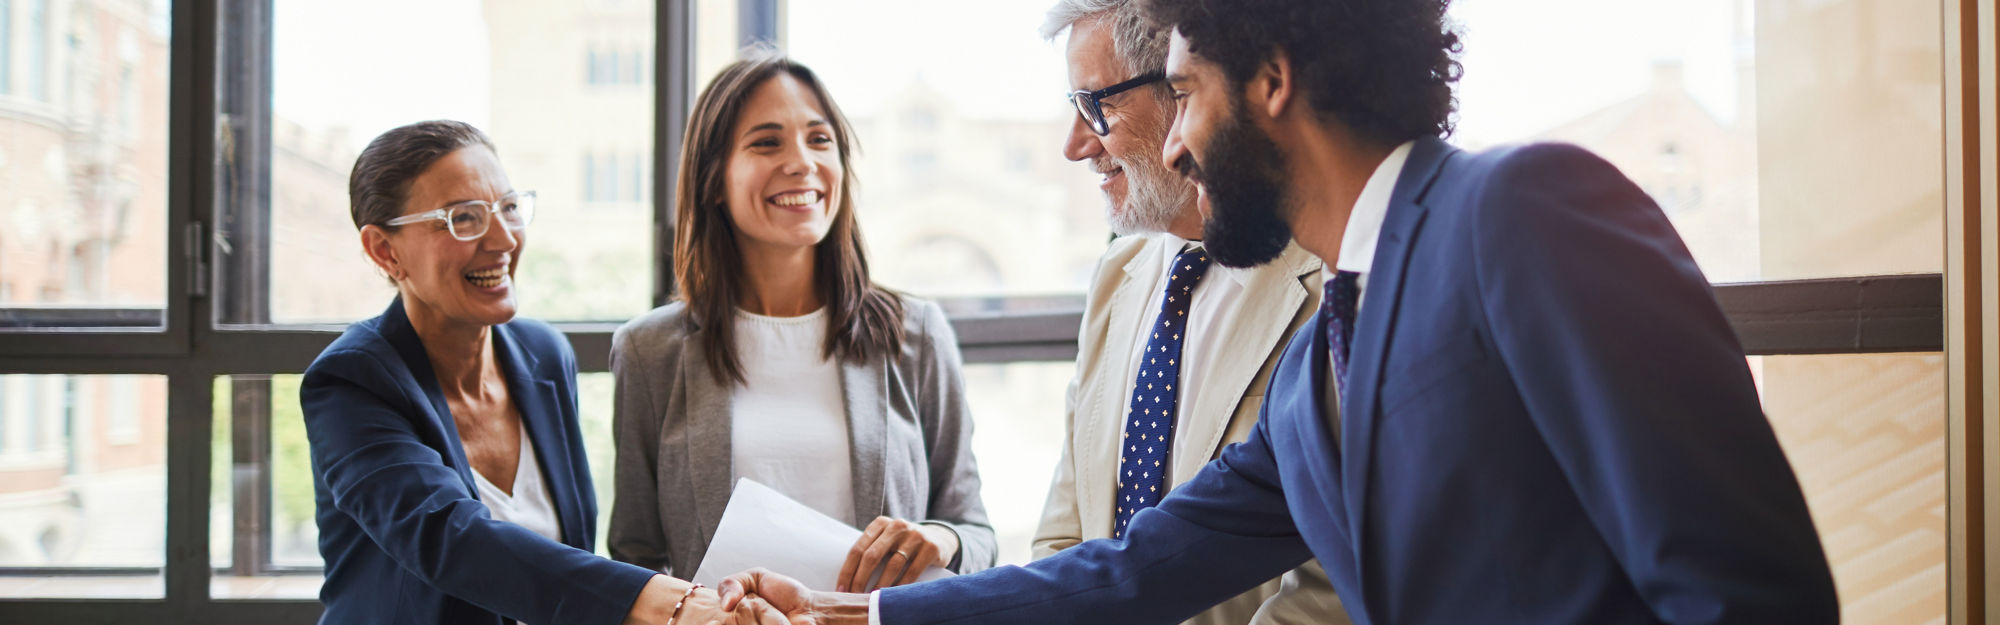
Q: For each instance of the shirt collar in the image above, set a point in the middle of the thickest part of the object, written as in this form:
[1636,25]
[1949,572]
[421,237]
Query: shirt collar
[1177,244]
[1364,224]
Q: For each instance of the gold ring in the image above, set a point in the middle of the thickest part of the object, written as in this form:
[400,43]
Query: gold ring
[905,555]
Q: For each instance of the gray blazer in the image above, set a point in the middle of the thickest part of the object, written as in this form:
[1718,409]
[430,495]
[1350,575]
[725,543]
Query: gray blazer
[907,420]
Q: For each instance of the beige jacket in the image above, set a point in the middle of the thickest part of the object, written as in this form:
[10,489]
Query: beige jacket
[1277,299]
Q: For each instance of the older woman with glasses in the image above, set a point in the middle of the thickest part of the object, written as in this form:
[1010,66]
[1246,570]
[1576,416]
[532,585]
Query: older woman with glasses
[448,468]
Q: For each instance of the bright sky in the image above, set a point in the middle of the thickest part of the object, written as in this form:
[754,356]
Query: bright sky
[1529,64]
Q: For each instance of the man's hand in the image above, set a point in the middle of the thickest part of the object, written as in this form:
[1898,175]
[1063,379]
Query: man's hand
[798,604]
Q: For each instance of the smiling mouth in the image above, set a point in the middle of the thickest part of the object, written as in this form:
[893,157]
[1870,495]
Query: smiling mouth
[487,278]
[796,199]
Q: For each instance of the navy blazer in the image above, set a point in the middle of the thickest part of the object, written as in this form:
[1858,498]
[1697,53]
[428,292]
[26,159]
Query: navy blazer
[400,524]
[1550,422]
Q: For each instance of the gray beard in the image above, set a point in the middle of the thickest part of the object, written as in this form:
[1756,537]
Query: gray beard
[1150,205]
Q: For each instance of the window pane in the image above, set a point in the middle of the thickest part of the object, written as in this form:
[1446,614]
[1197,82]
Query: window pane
[83,159]
[1785,138]
[521,70]
[83,486]
[964,189]
[1017,411]
[1866,434]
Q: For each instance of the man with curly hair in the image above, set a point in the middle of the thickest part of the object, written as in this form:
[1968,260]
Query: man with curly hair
[1520,402]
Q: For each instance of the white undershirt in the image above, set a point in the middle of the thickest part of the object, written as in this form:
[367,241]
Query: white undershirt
[1206,314]
[530,505]
[788,425]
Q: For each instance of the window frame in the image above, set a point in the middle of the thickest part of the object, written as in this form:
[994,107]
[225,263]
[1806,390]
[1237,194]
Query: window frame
[219,106]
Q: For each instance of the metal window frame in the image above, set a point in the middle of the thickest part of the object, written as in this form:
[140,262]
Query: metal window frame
[217,113]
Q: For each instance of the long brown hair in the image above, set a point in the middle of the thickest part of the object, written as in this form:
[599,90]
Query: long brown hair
[863,320]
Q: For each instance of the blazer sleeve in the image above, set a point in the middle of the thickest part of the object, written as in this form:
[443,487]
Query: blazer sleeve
[637,534]
[954,475]
[380,473]
[1062,524]
[1642,394]
[1220,534]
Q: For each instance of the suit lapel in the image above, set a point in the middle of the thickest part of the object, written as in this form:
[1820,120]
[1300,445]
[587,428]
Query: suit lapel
[708,452]
[864,385]
[397,329]
[542,414]
[1109,396]
[1373,326]
[1264,310]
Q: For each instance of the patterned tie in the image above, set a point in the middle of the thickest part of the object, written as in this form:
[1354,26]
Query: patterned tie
[1336,313]
[1149,424]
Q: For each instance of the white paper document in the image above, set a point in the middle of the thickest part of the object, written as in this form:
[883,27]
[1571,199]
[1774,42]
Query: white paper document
[764,528]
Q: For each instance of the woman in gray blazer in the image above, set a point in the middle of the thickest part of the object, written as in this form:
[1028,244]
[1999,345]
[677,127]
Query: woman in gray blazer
[782,362]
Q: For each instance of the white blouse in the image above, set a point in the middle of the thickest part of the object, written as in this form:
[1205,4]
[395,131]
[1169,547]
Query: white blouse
[530,505]
[788,425]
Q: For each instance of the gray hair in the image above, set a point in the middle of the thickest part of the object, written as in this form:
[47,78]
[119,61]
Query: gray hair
[1139,45]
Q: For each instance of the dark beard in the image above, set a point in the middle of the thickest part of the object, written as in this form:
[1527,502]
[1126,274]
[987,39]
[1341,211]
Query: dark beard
[1243,178]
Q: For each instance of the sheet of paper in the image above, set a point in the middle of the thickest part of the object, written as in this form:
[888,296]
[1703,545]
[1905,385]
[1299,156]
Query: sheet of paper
[762,527]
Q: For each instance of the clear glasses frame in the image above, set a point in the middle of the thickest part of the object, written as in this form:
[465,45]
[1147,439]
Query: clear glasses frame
[470,219]
[1089,103]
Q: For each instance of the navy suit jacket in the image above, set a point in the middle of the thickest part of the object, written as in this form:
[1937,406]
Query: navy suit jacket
[1549,422]
[400,524]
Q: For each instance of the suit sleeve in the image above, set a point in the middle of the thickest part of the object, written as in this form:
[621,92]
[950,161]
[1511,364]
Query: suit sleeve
[636,534]
[954,474]
[1062,524]
[379,472]
[1638,386]
[1212,538]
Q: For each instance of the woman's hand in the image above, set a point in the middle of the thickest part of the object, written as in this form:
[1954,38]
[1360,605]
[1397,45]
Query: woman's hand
[900,548]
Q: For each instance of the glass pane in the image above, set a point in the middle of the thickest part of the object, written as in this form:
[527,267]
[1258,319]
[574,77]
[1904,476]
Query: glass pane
[83,159]
[1866,434]
[523,71]
[964,189]
[83,485]
[1017,411]
[1785,139]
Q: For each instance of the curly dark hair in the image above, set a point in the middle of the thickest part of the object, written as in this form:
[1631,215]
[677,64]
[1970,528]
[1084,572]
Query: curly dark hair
[1382,67]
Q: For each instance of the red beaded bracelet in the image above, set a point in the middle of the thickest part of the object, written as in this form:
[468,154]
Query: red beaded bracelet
[682,602]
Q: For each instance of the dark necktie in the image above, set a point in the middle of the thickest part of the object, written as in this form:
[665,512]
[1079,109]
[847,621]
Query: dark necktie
[1336,313]
[1149,424]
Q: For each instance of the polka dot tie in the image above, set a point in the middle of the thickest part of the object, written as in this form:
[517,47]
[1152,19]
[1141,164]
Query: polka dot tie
[1149,423]
[1336,313]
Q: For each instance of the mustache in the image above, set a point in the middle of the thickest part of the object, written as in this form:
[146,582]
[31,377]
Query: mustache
[1187,168]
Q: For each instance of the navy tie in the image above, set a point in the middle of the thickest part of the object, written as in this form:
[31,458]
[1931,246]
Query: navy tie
[1336,313]
[1149,424]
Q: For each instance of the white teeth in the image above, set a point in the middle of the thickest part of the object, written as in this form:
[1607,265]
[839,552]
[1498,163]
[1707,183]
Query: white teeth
[487,277]
[797,199]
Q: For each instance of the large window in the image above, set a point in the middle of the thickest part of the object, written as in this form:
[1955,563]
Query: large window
[176,244]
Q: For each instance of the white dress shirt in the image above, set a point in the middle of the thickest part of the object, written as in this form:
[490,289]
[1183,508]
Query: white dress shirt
[788,420]
[1206,312]
[1357,246]
[530,505]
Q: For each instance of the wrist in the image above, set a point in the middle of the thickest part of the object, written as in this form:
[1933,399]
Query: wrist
[841,608]
[942,537]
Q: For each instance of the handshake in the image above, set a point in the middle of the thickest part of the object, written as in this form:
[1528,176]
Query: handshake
[760,597]
[890,552]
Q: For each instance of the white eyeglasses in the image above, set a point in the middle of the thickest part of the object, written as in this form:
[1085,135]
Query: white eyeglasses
[470,219]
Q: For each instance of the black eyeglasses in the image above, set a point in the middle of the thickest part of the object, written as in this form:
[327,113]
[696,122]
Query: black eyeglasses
[1093,114]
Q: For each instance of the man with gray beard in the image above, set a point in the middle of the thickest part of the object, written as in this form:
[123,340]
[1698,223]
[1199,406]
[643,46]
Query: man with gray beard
[1175,351]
